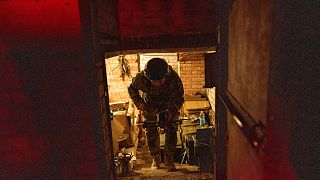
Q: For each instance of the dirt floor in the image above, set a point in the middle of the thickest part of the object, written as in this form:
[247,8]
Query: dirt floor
[141,169]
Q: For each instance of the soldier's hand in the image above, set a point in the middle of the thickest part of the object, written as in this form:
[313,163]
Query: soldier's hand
[144,107]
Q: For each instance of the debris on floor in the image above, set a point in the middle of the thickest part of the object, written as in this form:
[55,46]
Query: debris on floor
[141,169]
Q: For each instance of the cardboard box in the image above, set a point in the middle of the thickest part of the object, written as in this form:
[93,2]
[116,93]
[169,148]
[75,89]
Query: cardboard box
[121,118]
[194,107]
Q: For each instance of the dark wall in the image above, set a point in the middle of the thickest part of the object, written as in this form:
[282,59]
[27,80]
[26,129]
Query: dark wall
[141,18]
[293,108]
[157,24]
[108,24]
[47,106]
[273,73]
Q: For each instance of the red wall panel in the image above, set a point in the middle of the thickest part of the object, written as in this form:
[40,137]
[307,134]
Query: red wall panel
[46,122]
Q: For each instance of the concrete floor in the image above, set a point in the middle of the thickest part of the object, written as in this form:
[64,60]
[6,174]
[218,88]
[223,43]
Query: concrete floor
[141,169]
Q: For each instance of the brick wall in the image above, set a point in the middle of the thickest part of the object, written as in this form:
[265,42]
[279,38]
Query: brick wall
[190,68]
[117,85]
[192,73]
[171,58]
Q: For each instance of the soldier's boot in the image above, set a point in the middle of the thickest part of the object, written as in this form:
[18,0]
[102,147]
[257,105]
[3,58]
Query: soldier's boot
[168,161]
[156,162]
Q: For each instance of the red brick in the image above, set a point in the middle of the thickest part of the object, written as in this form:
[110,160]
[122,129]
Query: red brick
[195,72]
[197,86]
[198,80]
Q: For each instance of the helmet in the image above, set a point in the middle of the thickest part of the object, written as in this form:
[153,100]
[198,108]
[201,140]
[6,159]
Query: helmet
[156,68]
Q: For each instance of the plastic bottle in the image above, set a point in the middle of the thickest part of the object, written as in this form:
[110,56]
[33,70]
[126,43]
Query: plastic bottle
[202,119]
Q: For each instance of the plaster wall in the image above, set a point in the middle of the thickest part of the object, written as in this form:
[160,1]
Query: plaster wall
[250,30]
[249,51]
[243,162]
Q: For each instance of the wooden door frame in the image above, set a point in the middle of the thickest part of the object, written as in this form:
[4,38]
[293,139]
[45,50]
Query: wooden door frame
[221,109]
[96,56]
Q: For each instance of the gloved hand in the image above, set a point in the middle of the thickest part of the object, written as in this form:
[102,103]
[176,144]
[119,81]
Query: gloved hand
[144,107]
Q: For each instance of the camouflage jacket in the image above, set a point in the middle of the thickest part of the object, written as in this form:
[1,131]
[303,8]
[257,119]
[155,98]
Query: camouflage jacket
[170,96]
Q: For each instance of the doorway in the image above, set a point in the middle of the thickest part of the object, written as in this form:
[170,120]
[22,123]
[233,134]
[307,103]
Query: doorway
[127,132]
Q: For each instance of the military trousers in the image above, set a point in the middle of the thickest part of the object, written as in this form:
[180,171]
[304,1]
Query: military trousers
[153,138]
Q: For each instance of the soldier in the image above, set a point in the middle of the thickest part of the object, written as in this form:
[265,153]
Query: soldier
[161,91]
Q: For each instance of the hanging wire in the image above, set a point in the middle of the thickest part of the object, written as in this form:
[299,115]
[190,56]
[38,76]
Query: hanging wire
[115,68]
[113,80]
[124,68]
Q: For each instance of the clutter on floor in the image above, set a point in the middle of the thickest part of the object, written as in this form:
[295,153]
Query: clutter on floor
[125,135]
[195,146]
[142,170]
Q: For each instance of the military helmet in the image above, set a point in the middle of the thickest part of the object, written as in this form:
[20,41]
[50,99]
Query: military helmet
[156,68]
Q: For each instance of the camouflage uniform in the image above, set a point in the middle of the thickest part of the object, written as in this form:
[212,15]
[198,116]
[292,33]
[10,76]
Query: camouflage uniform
[169,96]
